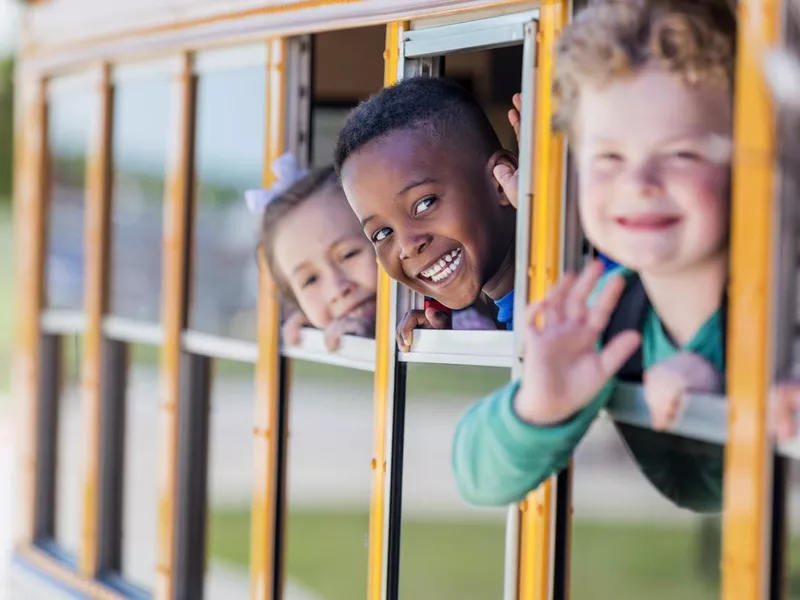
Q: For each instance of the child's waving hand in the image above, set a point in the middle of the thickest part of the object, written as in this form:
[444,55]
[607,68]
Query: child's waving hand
[563,369]
[505,175]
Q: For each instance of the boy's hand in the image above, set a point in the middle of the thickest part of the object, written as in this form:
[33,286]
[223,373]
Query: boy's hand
[419,319]
[563,370]
[785,405]
[347,326]
[505,175]
[292,327]
[666,383]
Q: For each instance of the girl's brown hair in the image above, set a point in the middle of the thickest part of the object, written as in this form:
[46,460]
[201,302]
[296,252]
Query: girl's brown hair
[279,208]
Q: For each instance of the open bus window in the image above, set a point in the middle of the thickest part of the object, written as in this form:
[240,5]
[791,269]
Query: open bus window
[615,509]
[69,115]
[230,480]
[142,125]
[448,548]
[229,159]
[487,58]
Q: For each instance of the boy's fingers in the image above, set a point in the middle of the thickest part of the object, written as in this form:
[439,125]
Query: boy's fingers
[618,351]
[515,120]
[516,100]
[437,319]
[584,286]
[554,311]
[414,319]
[606,301]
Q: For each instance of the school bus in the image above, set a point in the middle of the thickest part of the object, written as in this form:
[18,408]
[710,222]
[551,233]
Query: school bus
[139,125]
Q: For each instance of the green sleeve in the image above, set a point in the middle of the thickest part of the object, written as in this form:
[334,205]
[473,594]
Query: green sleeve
[498,458]
[687,472]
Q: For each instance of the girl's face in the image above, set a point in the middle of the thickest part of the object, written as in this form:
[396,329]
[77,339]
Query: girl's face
[329,264]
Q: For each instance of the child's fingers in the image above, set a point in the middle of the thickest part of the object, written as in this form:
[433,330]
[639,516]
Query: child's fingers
[584,286]
[333,337]
[414,319]
[618,351]
[516,100]
[515,120]
[436,318]
[786,401]
[556,299]
[606,301]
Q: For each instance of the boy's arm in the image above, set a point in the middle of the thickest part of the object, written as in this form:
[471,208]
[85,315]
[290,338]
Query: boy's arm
[687,472]
[498,458]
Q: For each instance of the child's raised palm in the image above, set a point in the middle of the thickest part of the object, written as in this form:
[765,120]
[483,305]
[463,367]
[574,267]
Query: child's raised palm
[505,175]
[563,369]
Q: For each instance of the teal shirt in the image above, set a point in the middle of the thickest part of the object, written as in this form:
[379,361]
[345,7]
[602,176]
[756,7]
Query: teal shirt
[498,458]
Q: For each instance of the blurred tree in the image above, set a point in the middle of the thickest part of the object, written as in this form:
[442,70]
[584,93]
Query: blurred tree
[6,126]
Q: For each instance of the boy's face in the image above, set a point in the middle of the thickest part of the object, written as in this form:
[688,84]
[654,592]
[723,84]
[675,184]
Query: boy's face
[320,251]
[437,219]
[654,163]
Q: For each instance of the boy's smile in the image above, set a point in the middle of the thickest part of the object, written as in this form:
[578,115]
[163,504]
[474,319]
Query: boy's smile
[433,212]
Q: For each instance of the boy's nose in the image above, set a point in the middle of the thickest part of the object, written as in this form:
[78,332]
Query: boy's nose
[646,180]
[414,246]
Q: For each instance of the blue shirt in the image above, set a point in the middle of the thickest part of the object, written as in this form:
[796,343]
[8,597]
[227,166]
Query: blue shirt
[505,310]
[505,305]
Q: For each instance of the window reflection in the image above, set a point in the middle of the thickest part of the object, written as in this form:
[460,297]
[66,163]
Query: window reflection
[229,159]
[141,131]
[69,122]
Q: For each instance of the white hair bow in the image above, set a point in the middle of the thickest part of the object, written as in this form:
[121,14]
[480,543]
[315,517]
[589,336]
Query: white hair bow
[287,172]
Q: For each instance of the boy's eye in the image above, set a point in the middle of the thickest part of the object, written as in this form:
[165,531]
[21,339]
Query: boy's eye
[381,234]
[608,157]
[686,155]
[424,204]
[310,280]
[351,253]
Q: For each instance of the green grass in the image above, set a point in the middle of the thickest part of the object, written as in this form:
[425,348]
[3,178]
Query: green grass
[443,560]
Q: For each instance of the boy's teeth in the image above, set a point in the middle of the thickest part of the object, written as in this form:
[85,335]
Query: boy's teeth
[446,265]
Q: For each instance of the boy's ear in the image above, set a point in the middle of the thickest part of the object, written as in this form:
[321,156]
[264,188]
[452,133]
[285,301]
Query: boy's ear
[507,159]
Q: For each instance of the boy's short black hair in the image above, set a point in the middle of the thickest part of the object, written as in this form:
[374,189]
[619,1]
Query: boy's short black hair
[435,104]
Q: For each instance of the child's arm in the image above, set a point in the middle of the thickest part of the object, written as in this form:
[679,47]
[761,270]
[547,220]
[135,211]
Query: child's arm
[688,473]
[515,438]
[498,457]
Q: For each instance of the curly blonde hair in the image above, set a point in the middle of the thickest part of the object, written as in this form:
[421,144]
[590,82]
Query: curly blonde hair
[692,39]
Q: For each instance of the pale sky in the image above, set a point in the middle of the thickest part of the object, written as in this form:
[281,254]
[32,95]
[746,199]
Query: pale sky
[8,25]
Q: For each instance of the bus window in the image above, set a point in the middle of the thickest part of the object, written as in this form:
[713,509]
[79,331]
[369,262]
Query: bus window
[66,467]
[627,540]
[69,115]
[230,480]
[328,481]
[141,128]
[330,417]
[229,159]
[448,549]
[494,59]
[139,464]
